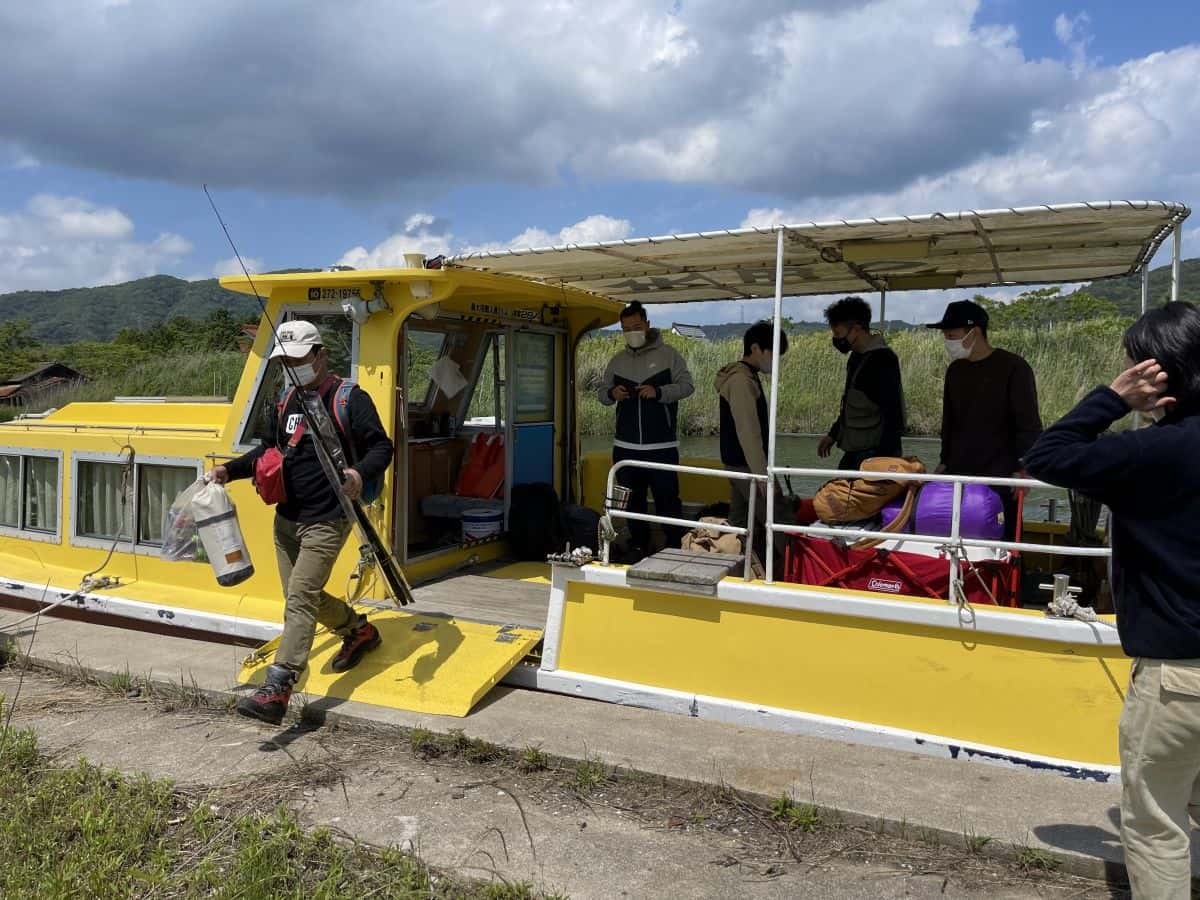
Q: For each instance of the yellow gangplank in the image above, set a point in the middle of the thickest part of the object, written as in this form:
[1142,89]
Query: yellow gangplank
[426,664]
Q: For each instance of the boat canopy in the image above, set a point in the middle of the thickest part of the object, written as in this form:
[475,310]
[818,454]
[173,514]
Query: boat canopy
[984,248]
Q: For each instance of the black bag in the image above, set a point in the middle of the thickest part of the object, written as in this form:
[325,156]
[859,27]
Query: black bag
[580,524]
[534,522]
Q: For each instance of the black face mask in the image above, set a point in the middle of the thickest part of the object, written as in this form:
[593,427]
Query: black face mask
[841,344]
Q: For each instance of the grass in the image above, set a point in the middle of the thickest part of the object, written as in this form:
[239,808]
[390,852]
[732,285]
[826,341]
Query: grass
[531,760]
[975,842]
[1066,359]
[1033,859]
[84,831]
[802,816]
[590,773]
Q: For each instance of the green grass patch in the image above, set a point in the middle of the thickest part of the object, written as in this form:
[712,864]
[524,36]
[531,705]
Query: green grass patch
[590,773]
[84,831]
[1032,859]
[532,759]
[802,816]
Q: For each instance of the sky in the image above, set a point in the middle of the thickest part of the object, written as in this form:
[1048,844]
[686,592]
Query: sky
[351,133]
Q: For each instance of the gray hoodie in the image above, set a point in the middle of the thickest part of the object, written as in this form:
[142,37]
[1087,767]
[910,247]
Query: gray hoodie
[647,424]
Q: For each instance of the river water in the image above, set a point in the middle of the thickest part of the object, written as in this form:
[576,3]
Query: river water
[800,450]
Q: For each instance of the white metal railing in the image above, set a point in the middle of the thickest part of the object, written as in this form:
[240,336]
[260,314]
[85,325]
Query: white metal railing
[615,512]
[951,542]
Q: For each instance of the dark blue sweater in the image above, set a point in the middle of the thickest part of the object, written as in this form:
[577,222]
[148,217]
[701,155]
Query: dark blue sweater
[1150,479]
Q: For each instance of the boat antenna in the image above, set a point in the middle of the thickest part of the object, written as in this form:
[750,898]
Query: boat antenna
[372,550]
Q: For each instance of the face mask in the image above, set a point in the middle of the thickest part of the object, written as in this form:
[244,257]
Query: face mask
[841,344]
[305,374]
[766,365]
[635,339]
[958,349]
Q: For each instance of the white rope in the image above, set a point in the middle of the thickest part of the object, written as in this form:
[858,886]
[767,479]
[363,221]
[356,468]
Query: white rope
[1068,607]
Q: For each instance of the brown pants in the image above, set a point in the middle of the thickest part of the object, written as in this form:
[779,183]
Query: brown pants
[1160,775]
[306,554]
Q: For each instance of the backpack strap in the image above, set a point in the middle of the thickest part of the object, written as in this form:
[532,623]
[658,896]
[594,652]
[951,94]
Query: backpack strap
[341,415]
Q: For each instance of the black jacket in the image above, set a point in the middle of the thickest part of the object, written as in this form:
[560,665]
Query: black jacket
[1148,477]
[310,497]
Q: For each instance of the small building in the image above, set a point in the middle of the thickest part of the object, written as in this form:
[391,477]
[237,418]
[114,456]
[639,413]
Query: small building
[246,337]
[689,331]
[35,386]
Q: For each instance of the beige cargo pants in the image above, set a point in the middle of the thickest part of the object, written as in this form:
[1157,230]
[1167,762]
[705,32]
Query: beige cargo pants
[1160,776]
[305,555]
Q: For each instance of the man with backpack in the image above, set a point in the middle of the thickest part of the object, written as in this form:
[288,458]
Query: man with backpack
[310,526]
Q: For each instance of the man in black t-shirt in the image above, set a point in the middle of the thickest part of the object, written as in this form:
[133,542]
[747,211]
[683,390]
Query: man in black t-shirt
[990,412]
[310,526]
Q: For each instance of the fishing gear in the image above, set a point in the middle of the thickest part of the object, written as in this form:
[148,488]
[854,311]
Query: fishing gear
[372,551]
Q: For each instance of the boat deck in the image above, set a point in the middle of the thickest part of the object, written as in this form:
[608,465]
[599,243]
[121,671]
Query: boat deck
[501,594]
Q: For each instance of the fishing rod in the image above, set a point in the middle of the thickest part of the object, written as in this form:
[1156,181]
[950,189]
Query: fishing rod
[332,456]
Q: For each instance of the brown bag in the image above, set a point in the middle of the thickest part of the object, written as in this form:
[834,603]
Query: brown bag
[841,501]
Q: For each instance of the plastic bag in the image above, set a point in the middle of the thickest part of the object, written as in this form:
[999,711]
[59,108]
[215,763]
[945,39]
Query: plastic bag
[181,535]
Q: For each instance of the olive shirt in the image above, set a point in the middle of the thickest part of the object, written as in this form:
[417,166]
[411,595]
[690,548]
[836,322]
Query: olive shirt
[990,415]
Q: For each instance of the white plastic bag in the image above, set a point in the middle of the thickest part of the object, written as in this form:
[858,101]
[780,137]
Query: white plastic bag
[181,536]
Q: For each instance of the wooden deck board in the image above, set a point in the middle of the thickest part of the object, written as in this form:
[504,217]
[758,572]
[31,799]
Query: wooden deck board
[476,596]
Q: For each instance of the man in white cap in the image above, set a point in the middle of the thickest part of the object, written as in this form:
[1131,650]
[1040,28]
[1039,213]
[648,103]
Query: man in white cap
[310,527]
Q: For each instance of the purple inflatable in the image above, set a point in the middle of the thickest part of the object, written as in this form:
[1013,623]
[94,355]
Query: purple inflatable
[888,513]
[982,511]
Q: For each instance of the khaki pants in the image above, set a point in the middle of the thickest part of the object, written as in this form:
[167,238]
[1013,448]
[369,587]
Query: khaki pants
[305,554]
[1160,775]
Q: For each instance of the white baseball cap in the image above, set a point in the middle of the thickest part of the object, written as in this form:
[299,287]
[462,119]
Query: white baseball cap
[296,339]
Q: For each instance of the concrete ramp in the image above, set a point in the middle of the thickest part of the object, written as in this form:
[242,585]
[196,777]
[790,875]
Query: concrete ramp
[427,664]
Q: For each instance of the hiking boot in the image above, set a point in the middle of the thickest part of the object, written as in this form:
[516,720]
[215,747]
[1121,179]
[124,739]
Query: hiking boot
[270,702]
[361,638]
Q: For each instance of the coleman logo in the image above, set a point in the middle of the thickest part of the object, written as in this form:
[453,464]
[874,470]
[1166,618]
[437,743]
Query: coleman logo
[884,584]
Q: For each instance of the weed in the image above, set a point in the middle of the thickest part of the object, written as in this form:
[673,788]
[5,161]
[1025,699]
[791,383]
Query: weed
[590,773]
[1032,859]
[804,816]
[532,759]
[474,750]
[975,842]
[425,743]
[120,683]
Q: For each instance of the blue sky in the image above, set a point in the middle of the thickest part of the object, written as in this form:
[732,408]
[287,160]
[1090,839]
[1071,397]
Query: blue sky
[350,133]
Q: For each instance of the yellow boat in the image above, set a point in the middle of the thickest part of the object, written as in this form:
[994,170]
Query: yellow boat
[83,490]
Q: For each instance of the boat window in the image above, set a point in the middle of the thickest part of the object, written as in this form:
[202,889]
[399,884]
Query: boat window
[487,402]
[424,349]
[10,491]
[102,500]
[157,487]
[41,494]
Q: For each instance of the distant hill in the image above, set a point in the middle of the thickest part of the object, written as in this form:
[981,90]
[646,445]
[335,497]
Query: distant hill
[1126,292]
[98,313]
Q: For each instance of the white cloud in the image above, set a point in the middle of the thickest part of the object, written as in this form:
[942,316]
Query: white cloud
[430,235]
[59,242]
[231,266]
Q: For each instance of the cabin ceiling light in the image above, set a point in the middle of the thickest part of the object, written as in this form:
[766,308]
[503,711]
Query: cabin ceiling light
[429,311]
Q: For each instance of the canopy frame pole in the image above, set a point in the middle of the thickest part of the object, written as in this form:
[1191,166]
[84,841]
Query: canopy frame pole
[883,310]
[773,416]
[1177,250]
[1145,288]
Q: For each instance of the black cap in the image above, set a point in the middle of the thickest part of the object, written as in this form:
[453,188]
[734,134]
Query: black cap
[962,314]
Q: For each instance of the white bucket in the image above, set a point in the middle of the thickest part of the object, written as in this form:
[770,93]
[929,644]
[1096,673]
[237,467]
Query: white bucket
[216,519]
[478,524]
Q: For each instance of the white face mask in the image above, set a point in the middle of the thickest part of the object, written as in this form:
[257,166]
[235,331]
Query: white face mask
[305,374]
[766,365]
[958,349]
[635,339]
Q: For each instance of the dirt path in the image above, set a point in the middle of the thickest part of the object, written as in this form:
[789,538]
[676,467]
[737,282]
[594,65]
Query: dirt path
[576,828]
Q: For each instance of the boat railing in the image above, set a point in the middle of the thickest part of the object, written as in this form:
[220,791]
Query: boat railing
[953,544]
[614,511]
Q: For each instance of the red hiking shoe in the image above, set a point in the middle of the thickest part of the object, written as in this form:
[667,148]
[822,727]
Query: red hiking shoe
[270,702]
[359,641]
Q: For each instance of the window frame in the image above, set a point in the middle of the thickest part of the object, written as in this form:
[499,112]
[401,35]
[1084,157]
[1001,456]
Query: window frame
[21,531]
[132,542]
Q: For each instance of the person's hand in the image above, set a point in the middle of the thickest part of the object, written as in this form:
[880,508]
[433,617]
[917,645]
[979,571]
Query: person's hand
[1143,387]
[352,486]
[620,392]
[825,447]
[648,392]
[219,475]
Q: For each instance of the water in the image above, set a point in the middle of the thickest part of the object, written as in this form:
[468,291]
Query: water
[801,451]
